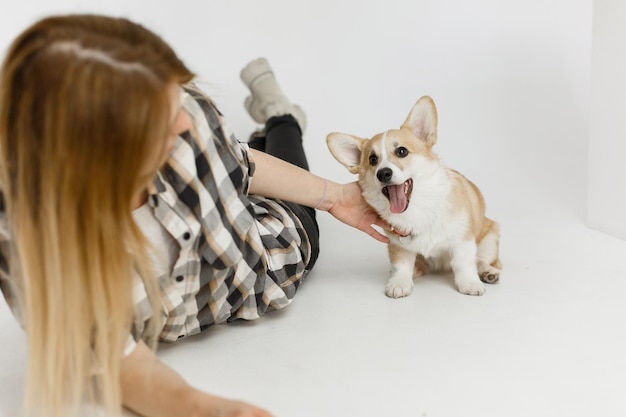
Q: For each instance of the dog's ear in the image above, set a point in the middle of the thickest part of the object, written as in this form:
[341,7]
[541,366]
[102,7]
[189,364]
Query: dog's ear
[346,149]
[422,120]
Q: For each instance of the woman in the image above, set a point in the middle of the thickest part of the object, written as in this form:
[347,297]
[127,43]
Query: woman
[131,215]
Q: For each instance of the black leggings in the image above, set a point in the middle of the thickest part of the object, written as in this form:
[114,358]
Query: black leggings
[282,138]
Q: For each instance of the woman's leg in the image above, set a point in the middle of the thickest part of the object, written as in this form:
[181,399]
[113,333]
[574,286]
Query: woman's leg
[282,135]
[283,139]
[284,122]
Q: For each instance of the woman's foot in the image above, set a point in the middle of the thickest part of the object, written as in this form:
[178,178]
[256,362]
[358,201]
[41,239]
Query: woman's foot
[267,99]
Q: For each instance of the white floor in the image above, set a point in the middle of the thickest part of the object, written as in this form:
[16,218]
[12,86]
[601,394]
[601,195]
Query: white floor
[547,340]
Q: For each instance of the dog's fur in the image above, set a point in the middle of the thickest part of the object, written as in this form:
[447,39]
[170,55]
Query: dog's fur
[438,214]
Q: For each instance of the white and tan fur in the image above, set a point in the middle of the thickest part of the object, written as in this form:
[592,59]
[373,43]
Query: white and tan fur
[438,213]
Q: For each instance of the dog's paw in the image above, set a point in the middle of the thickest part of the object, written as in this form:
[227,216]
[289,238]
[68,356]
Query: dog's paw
[488,273]
[398,287]
[490,277]
[471,287]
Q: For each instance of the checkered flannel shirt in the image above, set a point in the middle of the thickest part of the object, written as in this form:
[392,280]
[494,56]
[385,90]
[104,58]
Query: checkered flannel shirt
[240,255]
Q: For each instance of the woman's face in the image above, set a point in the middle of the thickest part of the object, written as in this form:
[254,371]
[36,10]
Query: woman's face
[179,123]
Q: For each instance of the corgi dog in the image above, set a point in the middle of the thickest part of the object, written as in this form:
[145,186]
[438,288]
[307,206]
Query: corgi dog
[437,215]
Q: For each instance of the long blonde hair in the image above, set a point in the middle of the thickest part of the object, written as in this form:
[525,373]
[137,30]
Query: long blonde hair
[83,101]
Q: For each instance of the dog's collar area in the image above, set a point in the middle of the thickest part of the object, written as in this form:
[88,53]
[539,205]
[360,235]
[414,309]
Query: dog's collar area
[400,232]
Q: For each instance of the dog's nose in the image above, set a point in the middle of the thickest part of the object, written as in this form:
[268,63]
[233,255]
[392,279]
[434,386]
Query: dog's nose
[384,175]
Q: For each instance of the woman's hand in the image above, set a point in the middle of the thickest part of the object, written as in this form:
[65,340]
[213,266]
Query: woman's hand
[150,388]
[349,207]
[211,406]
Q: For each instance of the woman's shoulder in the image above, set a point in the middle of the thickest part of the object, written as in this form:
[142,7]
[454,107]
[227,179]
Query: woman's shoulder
[202,98]
[205,114]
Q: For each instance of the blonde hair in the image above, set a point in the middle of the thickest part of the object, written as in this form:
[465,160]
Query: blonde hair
[83,100]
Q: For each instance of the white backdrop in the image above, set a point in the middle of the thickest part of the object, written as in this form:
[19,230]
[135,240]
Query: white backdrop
[511,79]
[606,206]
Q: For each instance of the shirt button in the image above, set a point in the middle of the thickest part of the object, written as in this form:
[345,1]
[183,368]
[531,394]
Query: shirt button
[187,235]
[180,278]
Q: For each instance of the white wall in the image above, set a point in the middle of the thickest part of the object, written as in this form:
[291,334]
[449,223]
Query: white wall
[511,78]
[606,206]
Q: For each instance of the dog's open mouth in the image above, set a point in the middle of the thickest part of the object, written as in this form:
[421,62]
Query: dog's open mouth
[399,195]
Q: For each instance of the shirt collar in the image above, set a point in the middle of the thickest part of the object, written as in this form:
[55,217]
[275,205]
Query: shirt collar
[157,186]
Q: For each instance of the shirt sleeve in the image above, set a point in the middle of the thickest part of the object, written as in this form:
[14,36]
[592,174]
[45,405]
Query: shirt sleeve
[249,156]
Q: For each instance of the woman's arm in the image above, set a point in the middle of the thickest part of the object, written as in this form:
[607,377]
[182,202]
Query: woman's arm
[152,389]
[276,178]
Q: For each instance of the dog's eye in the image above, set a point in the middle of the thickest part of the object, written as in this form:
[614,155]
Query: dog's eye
[373,159]
[401,152]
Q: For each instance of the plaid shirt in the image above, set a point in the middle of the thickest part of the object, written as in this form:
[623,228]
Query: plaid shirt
[240,255]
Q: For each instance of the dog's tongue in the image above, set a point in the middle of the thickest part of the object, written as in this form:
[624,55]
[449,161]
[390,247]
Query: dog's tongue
[397,198]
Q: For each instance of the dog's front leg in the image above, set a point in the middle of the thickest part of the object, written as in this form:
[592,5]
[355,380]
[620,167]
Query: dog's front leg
[402,262]
[463,264]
